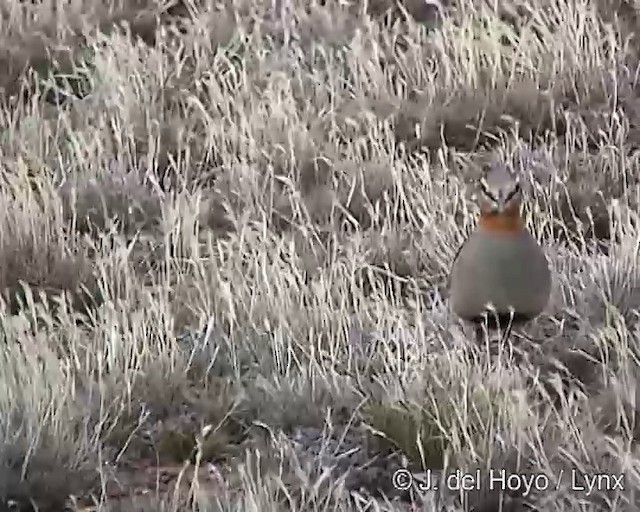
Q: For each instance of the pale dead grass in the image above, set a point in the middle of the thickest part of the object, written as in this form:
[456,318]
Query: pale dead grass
[226,255]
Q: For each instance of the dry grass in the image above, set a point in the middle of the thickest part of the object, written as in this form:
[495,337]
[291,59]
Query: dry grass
[225,234]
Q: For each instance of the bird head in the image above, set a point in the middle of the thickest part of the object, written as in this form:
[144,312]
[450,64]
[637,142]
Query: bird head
[499,191]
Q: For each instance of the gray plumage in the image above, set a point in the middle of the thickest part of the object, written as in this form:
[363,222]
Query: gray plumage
[503,269]
[501,266]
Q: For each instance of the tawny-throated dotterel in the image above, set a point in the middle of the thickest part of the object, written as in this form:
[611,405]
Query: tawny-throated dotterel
[500,274]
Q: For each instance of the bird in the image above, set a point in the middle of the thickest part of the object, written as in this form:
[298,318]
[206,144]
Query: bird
[500,274]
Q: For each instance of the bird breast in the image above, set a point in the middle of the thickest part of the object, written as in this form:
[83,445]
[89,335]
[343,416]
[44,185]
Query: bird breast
[506,270]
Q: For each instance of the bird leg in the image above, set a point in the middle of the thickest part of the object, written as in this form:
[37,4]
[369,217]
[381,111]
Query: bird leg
[504,332]
[479,333]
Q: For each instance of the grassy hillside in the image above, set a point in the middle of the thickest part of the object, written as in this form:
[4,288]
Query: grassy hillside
[225,234]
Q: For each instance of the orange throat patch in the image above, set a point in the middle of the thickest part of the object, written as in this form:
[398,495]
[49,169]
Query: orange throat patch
[507,221]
